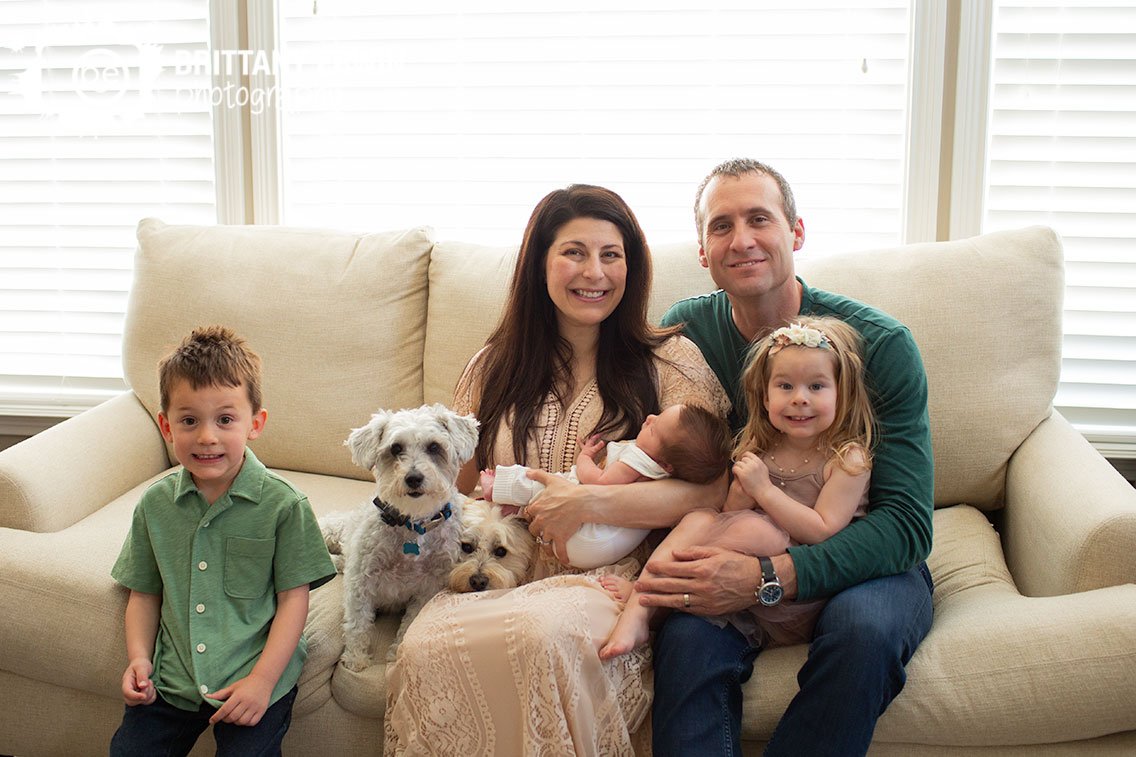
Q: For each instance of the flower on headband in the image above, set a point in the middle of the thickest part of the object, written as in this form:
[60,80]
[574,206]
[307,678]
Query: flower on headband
[798,335]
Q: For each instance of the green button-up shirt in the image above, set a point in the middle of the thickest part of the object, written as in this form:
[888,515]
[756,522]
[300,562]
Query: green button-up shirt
[218,568]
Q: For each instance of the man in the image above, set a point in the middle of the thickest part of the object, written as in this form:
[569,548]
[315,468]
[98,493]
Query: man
[880,609]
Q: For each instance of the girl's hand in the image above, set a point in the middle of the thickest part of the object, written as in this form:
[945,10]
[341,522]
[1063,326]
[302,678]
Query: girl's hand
[751,472]
[137,688]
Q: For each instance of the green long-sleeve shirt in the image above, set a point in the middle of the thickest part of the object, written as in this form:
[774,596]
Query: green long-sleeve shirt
[896,533]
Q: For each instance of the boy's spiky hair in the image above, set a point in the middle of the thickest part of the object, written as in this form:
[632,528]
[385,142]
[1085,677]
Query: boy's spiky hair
[211,356]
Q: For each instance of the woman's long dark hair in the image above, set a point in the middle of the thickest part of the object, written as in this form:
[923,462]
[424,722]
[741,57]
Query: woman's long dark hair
[525,358]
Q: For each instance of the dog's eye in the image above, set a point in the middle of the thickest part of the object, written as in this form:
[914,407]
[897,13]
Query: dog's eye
[434,449]
[500,552]
[467,547]
[396,450]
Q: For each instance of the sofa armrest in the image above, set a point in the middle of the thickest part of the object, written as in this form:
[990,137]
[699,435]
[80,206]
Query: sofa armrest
[1070,518]
[63,474]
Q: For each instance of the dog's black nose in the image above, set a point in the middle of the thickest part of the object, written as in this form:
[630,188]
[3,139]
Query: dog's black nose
[414,479]
[478,582]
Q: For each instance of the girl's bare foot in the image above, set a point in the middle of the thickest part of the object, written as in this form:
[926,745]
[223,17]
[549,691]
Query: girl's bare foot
[631,630]
[618,588]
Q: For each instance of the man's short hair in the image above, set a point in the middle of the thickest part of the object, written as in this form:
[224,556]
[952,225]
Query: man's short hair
[738,167]
[211,356]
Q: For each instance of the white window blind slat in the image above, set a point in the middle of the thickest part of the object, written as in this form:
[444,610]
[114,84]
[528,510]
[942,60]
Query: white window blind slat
[462,116]
[1063,153]
[99,127]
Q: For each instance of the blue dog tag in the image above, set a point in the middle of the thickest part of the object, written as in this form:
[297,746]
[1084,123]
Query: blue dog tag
[410,548]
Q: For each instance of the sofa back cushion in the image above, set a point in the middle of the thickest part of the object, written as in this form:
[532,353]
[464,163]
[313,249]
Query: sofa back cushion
[986,313]
[339,320]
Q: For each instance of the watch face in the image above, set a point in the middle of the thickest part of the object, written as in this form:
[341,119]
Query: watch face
[770,594]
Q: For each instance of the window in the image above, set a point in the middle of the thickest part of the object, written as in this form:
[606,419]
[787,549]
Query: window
[97,129]
[462,115]
[1062,152]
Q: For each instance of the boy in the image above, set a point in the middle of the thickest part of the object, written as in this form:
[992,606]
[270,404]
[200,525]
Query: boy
[219,562]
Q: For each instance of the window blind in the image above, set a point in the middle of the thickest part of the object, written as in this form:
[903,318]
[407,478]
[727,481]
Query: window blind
[102,122]
[463,115]
[1063,153]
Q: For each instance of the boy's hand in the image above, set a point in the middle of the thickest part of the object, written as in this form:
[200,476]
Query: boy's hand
[246,701]
[137,688]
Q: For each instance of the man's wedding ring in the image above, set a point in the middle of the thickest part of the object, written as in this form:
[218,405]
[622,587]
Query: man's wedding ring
[686,600]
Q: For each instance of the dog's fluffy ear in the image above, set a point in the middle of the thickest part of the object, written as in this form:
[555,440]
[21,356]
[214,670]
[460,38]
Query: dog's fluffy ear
[364,442]
[462,429]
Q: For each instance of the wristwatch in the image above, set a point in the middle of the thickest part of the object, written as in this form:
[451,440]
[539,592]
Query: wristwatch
[770,591]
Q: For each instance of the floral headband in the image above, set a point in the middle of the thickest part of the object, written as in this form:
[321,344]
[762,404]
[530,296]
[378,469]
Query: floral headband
[798,335]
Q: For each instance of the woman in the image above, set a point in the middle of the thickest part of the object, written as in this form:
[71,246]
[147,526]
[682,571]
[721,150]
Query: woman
[518,671]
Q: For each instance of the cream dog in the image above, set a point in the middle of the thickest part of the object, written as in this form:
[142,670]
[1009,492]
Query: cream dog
[496,549]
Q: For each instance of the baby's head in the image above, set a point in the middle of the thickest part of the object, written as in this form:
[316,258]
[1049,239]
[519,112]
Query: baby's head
[211,356]
[690,442]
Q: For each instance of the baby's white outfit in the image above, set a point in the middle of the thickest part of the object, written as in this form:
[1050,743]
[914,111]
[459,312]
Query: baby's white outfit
[595,544]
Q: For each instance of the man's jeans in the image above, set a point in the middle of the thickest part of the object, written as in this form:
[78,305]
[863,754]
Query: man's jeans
[865,636]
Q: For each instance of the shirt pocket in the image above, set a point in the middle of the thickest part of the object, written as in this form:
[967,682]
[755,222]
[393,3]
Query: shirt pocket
[248,567]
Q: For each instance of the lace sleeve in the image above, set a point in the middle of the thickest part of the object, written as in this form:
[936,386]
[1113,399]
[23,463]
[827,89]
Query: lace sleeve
[684,377]
[467,393]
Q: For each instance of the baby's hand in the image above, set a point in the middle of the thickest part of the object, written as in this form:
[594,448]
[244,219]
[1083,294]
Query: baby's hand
[751,472]
[591,447]
[137,688]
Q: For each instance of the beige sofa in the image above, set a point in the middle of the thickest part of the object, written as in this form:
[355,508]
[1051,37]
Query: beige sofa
[1033,647]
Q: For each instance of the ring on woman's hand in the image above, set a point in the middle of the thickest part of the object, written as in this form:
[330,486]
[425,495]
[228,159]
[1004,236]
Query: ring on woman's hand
[686,600]
[540,540]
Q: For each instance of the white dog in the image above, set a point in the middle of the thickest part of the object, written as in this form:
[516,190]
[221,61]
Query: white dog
[496,549]
[397,551]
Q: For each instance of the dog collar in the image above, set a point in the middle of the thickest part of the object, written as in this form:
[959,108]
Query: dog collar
[392,516]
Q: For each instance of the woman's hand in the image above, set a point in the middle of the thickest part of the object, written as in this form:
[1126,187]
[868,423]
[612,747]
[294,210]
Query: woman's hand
[751,472]
[557,512]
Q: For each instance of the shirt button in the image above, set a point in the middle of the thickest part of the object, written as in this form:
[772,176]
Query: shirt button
[200,647]
[200,609]
[204,689]
[205,524]
[202,565]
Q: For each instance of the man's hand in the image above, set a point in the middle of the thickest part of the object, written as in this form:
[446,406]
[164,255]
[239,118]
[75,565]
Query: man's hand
[246,701]
[137,688]
[557,512]
[718,581]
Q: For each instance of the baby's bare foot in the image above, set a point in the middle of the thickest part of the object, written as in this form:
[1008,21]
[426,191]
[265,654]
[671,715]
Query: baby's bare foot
[487,478]
[618,588]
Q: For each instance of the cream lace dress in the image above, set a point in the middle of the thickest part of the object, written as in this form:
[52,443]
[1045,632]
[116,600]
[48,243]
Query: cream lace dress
[517,671]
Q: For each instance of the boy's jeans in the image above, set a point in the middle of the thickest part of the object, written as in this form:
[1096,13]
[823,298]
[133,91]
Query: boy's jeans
[162,729]
[865,636]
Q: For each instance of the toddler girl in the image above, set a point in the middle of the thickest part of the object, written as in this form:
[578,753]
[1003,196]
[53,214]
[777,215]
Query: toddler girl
[802,468]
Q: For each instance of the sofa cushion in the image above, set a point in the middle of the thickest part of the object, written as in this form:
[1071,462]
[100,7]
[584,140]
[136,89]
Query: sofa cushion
[340,319]
[993,367]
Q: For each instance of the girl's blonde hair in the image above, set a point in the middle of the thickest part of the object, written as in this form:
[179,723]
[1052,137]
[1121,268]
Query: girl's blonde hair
[854,425]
